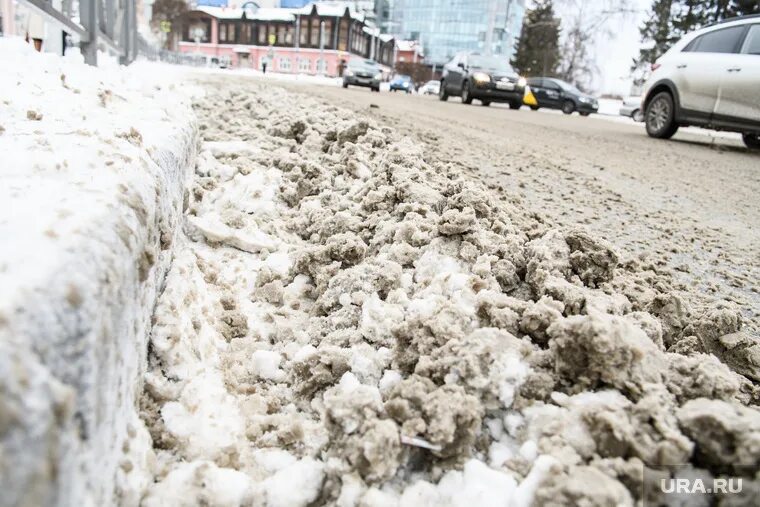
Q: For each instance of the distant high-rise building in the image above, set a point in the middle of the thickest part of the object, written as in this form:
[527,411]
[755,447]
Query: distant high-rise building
[445,27]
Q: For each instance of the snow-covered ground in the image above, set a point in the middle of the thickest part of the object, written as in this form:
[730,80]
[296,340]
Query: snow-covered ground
[318,310]
[92,169]
[362,323]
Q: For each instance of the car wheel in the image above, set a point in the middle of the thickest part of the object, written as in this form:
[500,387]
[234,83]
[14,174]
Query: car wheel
[584,114]
[443,95]
[661,117]
[515,105]
[637,116]
[466,97]
[568,107]
[345,85]
[752,141]
[534,108]
[485,103]
[376,89]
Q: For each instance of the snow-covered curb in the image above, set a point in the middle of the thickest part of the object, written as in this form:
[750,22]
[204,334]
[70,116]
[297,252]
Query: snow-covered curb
[91,189]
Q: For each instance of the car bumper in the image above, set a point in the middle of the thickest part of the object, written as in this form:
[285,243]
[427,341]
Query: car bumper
[400,88]
[588,108]
[491,92]
[361,81]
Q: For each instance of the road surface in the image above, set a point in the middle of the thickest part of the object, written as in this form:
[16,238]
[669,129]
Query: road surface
[690,205]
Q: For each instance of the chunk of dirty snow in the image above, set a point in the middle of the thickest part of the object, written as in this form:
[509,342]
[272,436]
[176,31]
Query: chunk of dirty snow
[189,484]
[215,231]
[296,485]
[266,364]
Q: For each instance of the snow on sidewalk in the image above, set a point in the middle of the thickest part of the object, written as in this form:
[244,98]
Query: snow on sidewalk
[92,169]
[352,321]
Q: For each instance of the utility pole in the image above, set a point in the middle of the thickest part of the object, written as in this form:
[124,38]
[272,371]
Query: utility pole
[322,65]
[490,28]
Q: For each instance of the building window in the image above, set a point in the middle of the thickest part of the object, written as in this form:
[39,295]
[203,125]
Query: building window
[328,34]
[315,22]
[321,66]
[246,33]
[303,36]
[304,65]
[271,30]
[283,63]
[226,32]
[199,29]
[343,38]
[262,29]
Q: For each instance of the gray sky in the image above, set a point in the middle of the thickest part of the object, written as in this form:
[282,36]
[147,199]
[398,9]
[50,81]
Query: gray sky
[614,53]
[614,58]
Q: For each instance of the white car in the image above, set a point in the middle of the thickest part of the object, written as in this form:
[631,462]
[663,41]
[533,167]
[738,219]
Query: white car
[632,109]
[710,78]
[431,88]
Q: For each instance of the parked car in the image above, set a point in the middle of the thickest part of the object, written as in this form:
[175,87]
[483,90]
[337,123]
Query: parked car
[402,83]
[431,88]
[553,93]
[710,78]
[632,108]
[362,72]
[485,78]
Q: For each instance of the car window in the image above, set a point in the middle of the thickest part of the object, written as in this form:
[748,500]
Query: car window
[719,41]
[752,42]
[569,88]
[493,63]
[363,64]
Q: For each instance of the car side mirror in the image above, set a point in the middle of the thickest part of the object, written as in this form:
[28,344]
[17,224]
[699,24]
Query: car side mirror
[461,65]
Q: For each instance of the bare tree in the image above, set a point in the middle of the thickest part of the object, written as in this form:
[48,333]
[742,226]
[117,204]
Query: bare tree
[586,26]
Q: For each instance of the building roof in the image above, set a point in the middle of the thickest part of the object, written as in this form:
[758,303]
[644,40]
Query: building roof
[336,9]
[409,45]
[221,12]
[329,8]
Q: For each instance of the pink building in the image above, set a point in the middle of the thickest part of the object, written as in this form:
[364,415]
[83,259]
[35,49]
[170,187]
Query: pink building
[315,39]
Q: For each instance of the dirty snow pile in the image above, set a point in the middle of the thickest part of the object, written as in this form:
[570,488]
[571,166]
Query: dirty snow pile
[348,322]
[92,170]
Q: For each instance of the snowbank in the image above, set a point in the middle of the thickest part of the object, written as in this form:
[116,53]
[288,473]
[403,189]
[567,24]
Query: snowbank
[352,320]
[91,188]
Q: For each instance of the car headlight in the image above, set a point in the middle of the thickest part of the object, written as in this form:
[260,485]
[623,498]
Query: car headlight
[379,76]
[481,77]
[522,82]
[348,73]
[585,100]
[405,84]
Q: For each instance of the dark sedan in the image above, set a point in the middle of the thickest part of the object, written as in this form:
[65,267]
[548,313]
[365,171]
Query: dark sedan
[553,93]
[361,72]
[485,78]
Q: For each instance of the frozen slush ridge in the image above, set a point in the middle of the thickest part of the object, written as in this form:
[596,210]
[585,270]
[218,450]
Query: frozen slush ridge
[413,338]
[91,187]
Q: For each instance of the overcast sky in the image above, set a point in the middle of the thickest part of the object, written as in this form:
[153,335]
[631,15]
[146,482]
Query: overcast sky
[614,54]
[614,59]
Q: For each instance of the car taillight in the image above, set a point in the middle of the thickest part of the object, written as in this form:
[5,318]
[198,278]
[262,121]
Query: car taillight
[655,66]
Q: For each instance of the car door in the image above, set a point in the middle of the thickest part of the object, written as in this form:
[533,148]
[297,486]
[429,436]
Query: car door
[460,69]
[552,93]
[697,76]
[740,81]
[537,89]
[453,77]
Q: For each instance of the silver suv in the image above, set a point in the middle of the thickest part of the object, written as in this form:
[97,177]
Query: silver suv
[711,79]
